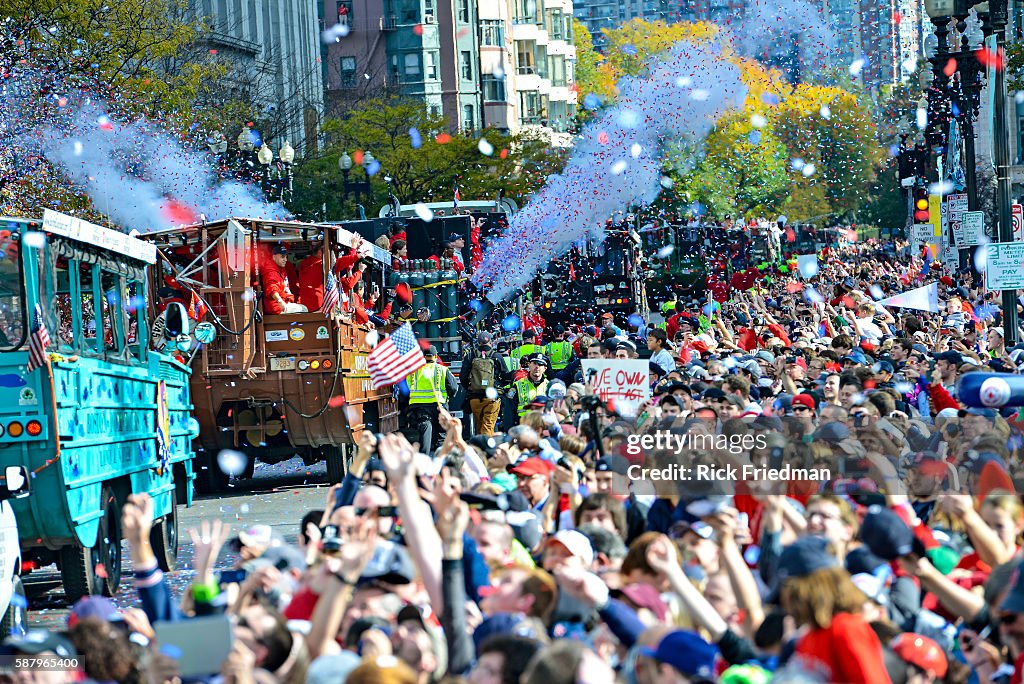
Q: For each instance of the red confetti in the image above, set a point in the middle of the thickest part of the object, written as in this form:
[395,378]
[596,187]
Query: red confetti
[101,571]
[987,58]
[503,154]
[178,213]
[602,138]
[403,293]
[335,402]
[418,29]
[213,52]
[950,68]
[443,138]
[793,287]
[357,157]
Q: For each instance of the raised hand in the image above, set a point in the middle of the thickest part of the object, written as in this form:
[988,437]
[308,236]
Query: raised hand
[137,519]
[206,543]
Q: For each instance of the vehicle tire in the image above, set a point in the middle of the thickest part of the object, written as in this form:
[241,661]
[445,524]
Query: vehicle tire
[164,540]
[79,565]
[335,457]
[17,612]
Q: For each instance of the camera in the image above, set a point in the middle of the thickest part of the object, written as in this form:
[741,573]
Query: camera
[330,540]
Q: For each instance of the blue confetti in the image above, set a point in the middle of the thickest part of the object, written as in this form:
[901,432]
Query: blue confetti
[591,101]
[512,323]
[373,168]
[770,98]
[754,138]
[636,320]
[416,138]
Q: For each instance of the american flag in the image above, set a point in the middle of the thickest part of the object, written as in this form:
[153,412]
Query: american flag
[455,202]
[396,357]
[331,297]
[38,341]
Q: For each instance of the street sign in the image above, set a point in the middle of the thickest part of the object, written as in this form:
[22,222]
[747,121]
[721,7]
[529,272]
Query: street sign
[1017,212]
[973,232]
[957,204]
[1004,268]
[923,233]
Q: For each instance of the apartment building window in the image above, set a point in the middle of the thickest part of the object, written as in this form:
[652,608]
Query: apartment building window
[525,63]
[494,88]
[466,65]
[529,107]
[556,70]
[525,11]
[542,61]
[428,7]
[468,120]
[464,13]
[345,12]
[430,65]
[410,11]
[412,65]
[492,32]
[348,72]
[556,25]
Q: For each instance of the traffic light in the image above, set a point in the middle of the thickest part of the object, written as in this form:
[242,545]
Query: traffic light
[921,214]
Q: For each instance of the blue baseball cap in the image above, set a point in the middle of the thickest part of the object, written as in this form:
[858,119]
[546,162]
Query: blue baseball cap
[685,651]
[805,556]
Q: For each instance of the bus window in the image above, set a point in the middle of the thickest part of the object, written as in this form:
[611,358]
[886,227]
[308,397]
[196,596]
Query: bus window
[65,313]
[133,303]
[12,301]
[112,331]
[85,286]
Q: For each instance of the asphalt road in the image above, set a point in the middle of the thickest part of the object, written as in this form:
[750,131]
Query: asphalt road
[278,495]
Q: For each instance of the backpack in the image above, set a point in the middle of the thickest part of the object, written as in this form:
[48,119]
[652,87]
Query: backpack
[481,374]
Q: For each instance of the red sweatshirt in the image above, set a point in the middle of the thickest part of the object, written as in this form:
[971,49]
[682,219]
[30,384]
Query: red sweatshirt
[847,652]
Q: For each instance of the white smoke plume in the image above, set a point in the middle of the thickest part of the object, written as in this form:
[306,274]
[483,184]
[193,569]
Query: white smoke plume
[616,162]
[140,176]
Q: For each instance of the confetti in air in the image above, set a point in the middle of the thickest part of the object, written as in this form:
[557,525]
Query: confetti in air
[598,180]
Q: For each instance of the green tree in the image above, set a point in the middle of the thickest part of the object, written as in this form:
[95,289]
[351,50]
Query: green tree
[835,141]
[590,78]
[742,171]
[426,172]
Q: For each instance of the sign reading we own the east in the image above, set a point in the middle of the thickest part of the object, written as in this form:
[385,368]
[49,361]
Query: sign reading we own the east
[626,383]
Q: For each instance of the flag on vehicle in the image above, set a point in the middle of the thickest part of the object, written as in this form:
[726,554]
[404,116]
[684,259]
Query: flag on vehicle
[394,358]
[39,341]
[331,296]
[455,202]
[196,307]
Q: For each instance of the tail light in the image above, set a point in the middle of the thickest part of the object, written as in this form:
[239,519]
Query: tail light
[34,428]
[327,364]
[14,429]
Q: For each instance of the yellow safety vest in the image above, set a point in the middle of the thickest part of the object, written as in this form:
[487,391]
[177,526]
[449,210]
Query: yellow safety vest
[426,385]
[525,350]
[526,391]
[559,353]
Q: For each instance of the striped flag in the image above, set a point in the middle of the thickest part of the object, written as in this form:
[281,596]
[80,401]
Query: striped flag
[455,201]
[38,341]
[395,358]
[331,297]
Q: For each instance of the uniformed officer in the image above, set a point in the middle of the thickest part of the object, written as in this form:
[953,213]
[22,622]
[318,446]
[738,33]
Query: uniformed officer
[559,351]
[524,391]
[527,348]
[430,387]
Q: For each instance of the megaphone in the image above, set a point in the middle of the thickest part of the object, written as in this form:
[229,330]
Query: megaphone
[991,390]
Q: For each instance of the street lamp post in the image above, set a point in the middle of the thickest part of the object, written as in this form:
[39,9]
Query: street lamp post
[355,188]
[994,20]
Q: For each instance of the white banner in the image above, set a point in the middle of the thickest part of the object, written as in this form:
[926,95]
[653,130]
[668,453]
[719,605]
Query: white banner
[921,299]
[625,383]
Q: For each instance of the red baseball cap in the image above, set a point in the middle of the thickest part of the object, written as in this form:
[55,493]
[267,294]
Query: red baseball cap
[804,400]
[534,465]
[922,652]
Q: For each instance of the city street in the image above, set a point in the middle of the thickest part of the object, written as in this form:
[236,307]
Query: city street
[278,495]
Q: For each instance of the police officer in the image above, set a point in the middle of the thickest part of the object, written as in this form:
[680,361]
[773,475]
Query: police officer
[430,386]
[559,350]
[527,349]
[524,391]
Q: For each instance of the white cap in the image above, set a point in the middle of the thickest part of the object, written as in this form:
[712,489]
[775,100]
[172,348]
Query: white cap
[577,544]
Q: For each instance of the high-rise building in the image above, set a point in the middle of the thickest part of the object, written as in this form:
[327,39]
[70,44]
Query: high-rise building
[500,63]
[273,47]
